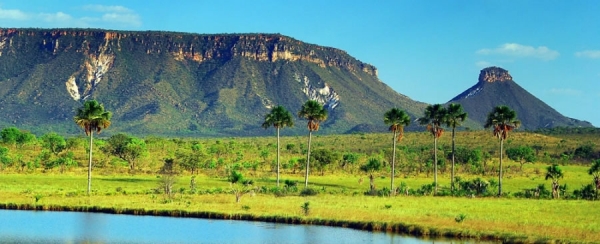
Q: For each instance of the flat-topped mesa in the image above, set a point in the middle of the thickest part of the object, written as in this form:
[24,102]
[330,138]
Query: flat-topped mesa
[186,46]
[493,74]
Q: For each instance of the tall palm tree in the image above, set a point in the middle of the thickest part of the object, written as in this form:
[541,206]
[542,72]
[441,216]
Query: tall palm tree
[554,173]
[396,119]
[314,112]
[454,117]
[435,116]
[92,117]
[279,117]
[502,119]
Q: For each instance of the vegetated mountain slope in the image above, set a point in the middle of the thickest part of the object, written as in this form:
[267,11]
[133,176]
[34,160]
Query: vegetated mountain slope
[496,87]
[184,84]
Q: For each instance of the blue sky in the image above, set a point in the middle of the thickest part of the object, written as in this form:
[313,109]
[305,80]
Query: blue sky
[428,50]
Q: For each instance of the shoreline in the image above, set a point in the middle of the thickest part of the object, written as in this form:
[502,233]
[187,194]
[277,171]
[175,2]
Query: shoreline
[396,228]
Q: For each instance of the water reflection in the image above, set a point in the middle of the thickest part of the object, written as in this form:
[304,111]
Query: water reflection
[75,227]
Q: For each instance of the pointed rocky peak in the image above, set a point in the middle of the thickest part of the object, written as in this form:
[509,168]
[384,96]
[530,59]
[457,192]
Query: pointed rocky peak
[494,74]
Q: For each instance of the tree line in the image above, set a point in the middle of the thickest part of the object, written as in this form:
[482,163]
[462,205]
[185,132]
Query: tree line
[92,118]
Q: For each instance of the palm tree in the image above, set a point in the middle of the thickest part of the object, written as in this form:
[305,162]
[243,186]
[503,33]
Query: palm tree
[435,115]
[92,117]
[554,172]
[314,112]
[595,172]
[279,117]
[396,119]
[454,117]
[502,119]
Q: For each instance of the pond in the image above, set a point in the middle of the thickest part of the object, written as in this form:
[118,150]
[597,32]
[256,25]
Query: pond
[17,226]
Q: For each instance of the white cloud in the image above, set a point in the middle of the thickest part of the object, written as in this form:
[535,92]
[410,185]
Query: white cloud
[483,64]
[521,51]
[102,8]
[125,19]
[588,54]
[566,91]
[98,16]
[57,17]
[13,14]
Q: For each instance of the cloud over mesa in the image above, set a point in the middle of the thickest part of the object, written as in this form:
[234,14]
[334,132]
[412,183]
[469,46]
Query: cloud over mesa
[594,54]
[521,51]
[566,91]
[90,16]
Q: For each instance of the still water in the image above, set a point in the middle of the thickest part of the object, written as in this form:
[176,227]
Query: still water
[76,227]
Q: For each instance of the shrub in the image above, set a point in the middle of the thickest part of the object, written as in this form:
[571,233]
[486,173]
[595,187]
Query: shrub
[306,207]
[308,192]
[587,192]
[538,192]
[290,183]
[235,177]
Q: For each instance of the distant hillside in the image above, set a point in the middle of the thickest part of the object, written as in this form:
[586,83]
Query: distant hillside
[167,83]
[496,87]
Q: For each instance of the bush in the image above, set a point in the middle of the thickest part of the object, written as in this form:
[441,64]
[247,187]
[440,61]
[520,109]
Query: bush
[476,187]
[235,177]
[290,183]
[309,192]
[587,192]
[538,192]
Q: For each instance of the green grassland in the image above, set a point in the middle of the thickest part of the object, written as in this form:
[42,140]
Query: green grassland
[341,198]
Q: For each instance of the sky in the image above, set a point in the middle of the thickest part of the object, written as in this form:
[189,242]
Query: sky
[430,51]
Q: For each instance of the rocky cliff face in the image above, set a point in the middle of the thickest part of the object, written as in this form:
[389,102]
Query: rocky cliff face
[494,74]
[190,83]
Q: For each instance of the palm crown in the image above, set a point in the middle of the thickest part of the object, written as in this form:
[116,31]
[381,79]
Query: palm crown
[502,119]
[435,115]
[455,115]
[396,119]
[279,117]
[314,113]
[92,117]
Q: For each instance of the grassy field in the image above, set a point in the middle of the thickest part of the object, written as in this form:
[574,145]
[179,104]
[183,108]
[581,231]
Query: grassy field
[340,202]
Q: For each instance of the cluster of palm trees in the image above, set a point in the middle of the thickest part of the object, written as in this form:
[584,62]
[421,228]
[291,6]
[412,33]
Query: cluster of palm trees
[92,117]
[502,119]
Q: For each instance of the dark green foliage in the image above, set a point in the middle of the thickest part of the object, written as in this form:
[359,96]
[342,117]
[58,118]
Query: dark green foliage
[587,192]
[306,208]
[12,136]
[586,152]
[9,135]
[522,154]
[539,192]
[63,162]
[127,148]
[290,183]
[5,160]
[309,192]
[475,187]
[54,142]
[322,158]
[235,177]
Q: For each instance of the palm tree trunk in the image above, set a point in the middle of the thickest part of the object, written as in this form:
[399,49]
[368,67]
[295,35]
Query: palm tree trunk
[435,164]
[452,179]
[89,188]
[393,192]
[500,173]
[307,159]
[277,156]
